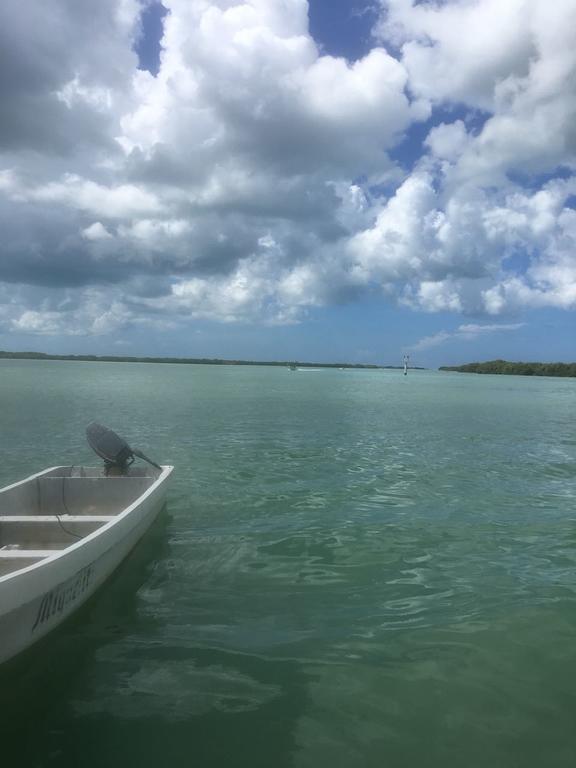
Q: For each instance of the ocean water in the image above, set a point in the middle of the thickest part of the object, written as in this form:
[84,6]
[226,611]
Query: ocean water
[355,568]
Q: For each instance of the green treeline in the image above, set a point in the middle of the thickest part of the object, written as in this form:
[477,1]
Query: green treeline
[177,360]
[517,369]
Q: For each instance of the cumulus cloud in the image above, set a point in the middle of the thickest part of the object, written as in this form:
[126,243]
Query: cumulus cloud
[253,178]
[96,231]
[64,66]
[514,61]
[448,141]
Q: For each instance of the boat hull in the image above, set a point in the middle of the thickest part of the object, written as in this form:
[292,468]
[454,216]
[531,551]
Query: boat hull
[37,600]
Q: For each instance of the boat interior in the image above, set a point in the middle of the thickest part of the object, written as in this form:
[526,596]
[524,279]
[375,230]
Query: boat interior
[49,513]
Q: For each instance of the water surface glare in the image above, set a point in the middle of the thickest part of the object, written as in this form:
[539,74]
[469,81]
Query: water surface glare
[356,568]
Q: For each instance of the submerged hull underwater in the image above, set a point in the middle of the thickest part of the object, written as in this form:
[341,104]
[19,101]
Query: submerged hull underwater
[86,524]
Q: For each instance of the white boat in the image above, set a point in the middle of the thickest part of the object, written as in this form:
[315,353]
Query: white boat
[63,532]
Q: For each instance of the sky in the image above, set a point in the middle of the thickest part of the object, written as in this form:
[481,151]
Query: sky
[332,180]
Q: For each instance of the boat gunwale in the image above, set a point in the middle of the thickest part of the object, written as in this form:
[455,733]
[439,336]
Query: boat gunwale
[162,476]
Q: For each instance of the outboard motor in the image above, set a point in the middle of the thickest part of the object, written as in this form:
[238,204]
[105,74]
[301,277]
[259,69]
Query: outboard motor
[115,451]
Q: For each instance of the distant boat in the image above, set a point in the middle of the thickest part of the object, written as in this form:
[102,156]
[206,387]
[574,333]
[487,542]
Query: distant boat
[293,368]
[64,531]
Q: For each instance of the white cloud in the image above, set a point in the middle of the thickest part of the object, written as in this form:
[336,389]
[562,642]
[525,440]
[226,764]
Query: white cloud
[428,342]
[43,323]
[515,60]
[241,90]
[468,332]
[118,202]
[436,295]
[449,252]
[448,141]
[459,51]
[96,231]
[252,178]
[8,180]
[475,329]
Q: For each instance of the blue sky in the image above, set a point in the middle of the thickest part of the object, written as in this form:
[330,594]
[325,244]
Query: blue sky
[277,179]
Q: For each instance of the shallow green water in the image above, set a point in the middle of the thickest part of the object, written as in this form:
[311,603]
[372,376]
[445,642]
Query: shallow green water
[355,569]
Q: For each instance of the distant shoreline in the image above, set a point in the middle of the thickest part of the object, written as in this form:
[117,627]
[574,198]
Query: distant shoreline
[515,369]
[189,361]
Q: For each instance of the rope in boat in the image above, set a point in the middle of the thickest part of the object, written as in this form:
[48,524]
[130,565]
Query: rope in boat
[60,523]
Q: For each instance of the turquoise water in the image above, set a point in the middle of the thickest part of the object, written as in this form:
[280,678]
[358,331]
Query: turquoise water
[355,569]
